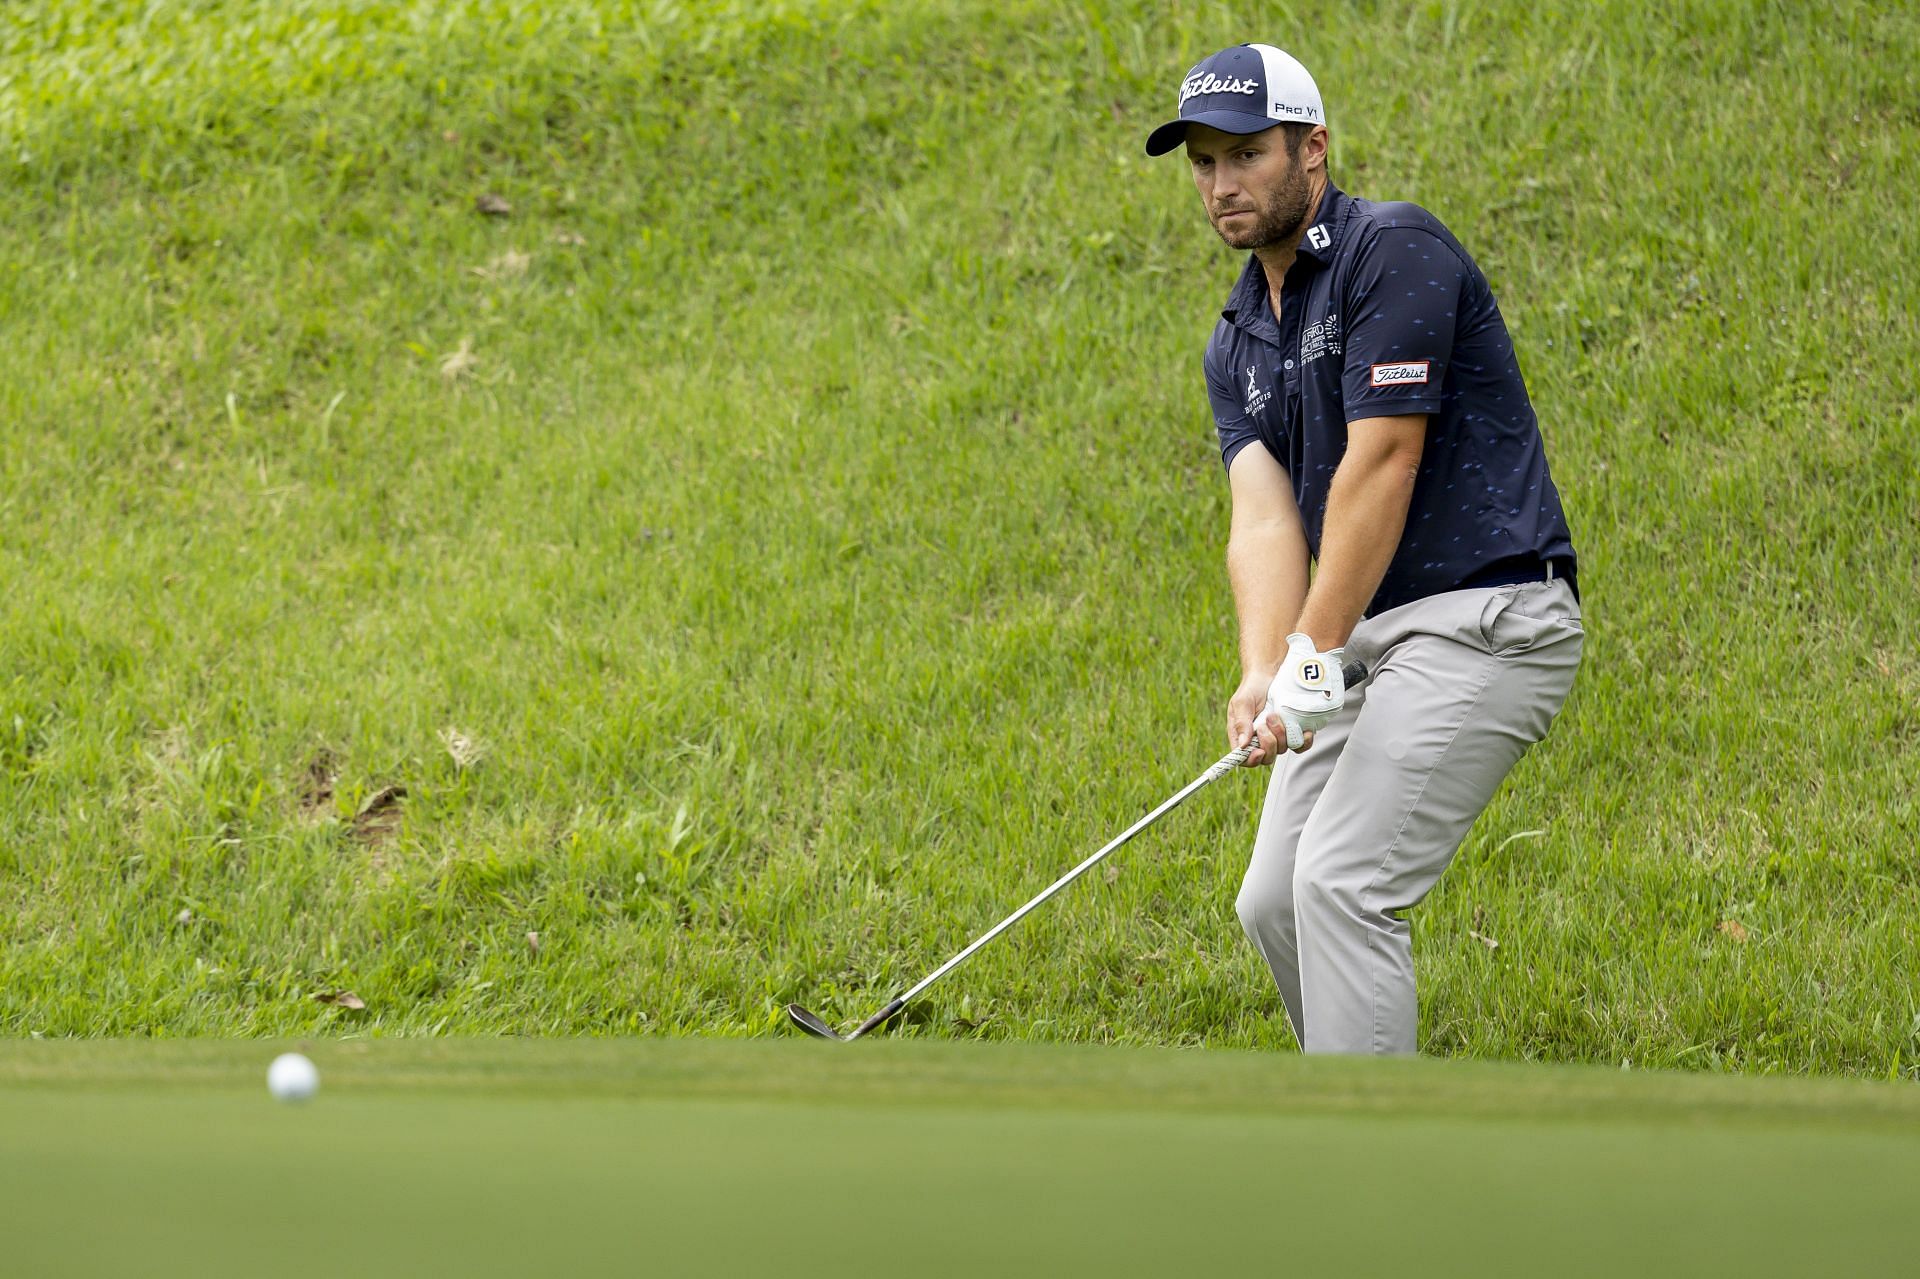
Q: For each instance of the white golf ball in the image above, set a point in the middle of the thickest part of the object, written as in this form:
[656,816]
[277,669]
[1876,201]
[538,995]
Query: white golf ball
[292,1077]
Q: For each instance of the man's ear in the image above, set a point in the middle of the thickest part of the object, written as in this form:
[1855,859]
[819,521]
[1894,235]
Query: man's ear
[1314,152]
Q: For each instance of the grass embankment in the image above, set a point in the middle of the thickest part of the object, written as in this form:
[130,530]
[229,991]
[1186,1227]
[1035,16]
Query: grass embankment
[506,1157]
[786,531]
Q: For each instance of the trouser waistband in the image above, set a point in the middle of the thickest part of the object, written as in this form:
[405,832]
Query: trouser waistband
[1512,572]
[1508,572]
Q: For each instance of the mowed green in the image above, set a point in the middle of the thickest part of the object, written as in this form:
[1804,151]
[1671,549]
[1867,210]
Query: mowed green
[728,1157]
[778,527]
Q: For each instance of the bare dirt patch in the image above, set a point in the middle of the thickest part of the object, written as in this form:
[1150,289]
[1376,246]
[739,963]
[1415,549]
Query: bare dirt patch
[379,818]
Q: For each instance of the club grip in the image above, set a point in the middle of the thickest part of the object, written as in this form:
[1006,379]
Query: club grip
[1354,673]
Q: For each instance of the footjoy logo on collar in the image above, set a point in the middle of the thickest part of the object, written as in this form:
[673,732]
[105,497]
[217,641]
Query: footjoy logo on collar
[1318,237]
[1412,373]
[1211,83]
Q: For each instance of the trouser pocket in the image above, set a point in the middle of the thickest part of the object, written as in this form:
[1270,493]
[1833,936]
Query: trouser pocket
[1528,616]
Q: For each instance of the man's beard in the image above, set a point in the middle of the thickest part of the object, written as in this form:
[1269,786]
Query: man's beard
[1276,224]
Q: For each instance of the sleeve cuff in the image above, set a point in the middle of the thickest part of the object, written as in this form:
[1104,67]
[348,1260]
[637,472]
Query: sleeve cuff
[1430,405]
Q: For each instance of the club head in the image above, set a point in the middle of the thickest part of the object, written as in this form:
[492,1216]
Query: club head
[811,1024]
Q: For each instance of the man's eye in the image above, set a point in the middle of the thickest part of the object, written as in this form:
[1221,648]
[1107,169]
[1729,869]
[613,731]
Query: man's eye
[1249,156]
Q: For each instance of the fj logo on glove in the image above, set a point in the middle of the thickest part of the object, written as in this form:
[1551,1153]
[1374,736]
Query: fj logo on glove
[1310,672]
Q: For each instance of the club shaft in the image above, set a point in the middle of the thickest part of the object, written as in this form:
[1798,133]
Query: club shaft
[880,1017]
[1354,673]
[1227,763]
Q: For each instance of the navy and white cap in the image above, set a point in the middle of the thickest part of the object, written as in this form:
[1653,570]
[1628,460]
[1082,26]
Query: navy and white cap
[1246,89]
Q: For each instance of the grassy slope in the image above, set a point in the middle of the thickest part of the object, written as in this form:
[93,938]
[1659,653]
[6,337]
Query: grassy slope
[716,1157]
[823,542]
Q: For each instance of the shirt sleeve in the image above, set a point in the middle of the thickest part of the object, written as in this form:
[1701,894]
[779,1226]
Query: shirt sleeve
[1230,419]
[1401,306]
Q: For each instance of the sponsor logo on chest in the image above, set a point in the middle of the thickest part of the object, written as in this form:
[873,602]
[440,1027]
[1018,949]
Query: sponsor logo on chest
[1257,396]
[1322,337]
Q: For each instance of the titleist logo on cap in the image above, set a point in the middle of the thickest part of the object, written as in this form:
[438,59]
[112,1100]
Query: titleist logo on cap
[1211,83]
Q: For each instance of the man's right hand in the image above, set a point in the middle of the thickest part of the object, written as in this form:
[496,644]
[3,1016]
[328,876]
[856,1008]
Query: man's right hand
[1244,722]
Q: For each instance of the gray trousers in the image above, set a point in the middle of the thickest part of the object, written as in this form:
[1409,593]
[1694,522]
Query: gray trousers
[1360,825]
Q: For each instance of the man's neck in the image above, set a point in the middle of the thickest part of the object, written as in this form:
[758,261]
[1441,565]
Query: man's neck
[1277,259]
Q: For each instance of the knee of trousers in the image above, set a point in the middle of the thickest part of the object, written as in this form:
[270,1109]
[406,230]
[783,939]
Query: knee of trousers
[1265,906]
[1325,893]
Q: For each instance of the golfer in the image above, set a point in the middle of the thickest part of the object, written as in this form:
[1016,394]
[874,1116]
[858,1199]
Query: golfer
[1374,426]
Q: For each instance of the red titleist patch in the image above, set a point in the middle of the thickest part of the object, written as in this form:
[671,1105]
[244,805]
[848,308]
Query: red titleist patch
[1411,373]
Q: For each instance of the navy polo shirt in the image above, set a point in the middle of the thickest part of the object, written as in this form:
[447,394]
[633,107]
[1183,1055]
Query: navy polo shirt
[1384,313]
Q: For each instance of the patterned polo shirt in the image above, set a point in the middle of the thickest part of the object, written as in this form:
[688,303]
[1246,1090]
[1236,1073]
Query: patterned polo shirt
[1383,313]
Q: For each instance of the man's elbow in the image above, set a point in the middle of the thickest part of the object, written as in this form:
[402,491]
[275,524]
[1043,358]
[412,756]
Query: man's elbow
[1398,463]
[1406,463]
[1388,446]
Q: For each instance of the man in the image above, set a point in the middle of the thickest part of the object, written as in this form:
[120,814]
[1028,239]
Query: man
[1372,421]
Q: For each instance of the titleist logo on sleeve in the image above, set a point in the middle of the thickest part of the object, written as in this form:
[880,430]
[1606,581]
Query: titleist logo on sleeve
[1211,83]
[1412,373]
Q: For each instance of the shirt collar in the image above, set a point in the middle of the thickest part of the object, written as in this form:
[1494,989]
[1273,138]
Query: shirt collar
[1247,304]
[1248,301]
[1322,239]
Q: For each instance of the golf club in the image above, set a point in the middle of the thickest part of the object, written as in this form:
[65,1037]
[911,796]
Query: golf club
[1354,672]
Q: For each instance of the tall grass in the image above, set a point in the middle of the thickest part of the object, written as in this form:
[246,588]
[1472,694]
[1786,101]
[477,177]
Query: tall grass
[786,531]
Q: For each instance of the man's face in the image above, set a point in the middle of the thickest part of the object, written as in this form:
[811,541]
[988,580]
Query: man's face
[1255,193]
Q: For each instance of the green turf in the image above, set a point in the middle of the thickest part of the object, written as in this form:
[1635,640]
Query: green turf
[718,1157]
[791,534]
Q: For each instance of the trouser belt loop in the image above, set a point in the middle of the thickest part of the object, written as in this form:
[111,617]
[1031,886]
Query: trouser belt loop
[1549,570]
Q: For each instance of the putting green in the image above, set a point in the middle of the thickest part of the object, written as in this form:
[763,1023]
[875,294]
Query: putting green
[731,1157]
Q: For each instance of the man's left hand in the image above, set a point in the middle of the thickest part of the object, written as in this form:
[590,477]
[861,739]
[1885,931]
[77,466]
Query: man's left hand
[1309,690]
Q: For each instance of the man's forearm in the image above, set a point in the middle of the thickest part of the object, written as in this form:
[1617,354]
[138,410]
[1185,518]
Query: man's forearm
[1366,514]
[1267,565]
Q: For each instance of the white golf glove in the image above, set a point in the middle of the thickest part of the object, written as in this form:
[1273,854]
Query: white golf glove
[1308,691]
